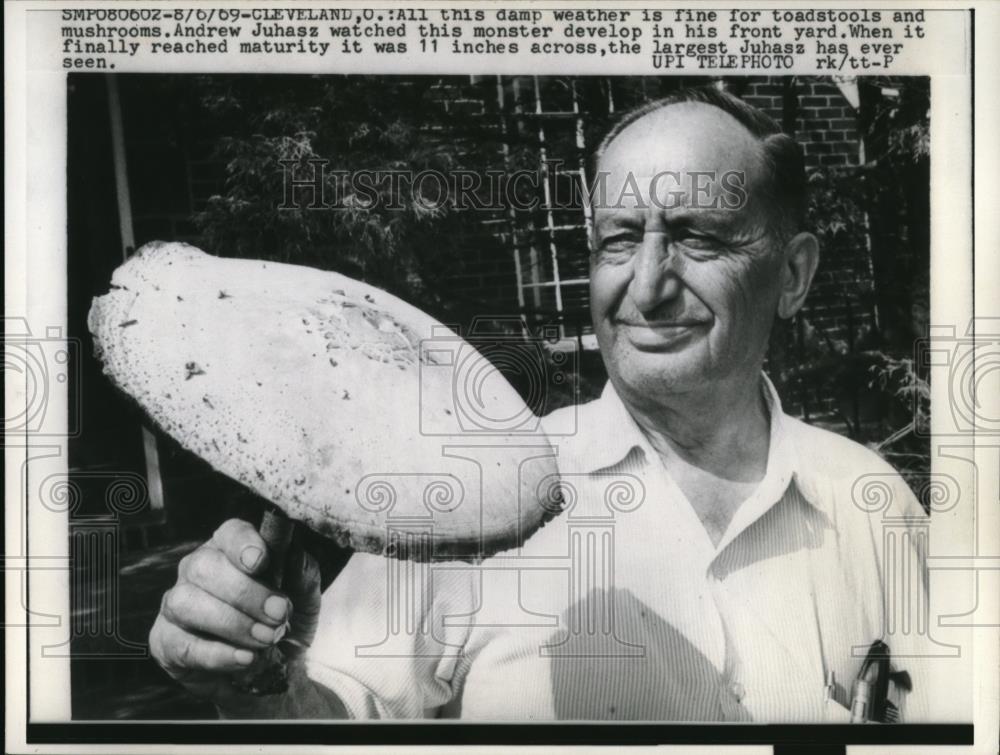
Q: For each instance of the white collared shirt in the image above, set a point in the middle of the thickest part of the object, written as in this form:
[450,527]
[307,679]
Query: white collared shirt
[622,607]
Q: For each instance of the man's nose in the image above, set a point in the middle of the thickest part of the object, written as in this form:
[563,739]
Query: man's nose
[655,274]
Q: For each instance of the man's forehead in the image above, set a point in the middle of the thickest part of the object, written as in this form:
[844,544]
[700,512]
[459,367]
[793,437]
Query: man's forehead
[684,136]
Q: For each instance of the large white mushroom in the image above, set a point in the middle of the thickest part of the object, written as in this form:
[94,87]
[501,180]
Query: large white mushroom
[349,410]
[353,412]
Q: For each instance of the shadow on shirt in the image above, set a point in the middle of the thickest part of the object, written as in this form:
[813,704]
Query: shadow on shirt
[598,675]
[639,666]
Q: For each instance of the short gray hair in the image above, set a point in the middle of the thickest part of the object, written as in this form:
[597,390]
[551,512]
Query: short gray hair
[786,186]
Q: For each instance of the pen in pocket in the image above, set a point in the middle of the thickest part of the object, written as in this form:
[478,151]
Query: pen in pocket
[869,693]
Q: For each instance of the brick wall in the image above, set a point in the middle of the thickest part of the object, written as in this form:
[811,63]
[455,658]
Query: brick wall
[824,123]
[822,120]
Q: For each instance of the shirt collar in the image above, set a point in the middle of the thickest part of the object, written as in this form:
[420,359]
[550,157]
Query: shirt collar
[787,451]
[607,434]
[782,457]
[782,461]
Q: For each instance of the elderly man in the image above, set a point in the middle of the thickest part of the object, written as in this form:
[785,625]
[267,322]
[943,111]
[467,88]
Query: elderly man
[711,563]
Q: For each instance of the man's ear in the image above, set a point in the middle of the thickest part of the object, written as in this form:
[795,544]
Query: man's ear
[801,258]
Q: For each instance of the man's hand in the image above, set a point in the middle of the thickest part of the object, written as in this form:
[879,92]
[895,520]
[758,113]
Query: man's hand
[218,617]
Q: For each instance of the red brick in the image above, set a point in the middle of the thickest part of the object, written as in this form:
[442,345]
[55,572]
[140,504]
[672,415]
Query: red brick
[845,124]
[813,101]
[845,147]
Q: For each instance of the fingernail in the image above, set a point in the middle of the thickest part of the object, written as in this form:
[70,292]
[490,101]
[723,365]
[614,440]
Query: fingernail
[280,632]
[243,657]
[263,633]
[251,556]
[276,607]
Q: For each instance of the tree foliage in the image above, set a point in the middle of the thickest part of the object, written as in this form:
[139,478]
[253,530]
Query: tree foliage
[275,128]
[874,219]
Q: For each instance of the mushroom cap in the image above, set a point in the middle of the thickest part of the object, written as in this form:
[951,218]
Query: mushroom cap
[355,413]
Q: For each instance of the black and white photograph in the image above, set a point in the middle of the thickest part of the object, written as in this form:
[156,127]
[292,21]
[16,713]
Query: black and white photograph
[749,361]
[543,406]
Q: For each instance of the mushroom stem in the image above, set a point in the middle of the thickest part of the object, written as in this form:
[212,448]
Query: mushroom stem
[276,529]
[269,674]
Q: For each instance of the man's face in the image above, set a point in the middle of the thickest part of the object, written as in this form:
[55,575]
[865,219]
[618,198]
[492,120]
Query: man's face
[682,295]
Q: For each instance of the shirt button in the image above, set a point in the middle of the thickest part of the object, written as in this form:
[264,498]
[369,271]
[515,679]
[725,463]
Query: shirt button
[738,691]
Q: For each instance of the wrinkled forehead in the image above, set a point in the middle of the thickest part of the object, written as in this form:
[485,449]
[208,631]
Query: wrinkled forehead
[688,140]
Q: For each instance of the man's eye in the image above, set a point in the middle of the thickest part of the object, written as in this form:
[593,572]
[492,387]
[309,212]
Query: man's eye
[699,241]
[618,245]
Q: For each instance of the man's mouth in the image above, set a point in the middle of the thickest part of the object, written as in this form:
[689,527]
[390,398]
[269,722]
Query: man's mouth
[658,335]
[661,323]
